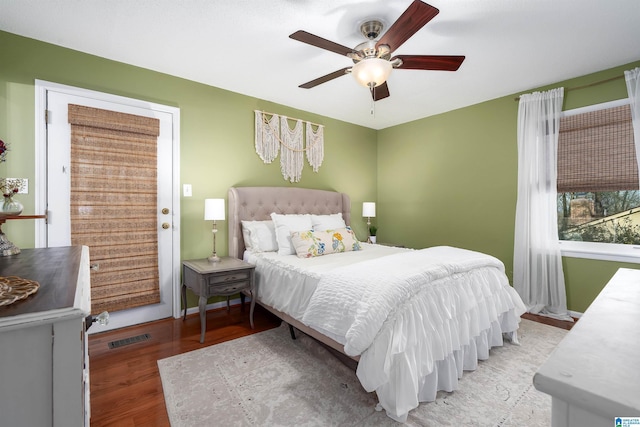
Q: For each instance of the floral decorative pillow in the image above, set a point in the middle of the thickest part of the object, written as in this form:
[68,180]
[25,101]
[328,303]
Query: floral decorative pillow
[317,243]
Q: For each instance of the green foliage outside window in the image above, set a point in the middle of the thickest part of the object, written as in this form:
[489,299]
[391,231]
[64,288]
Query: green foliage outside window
[622,232]
[604,217]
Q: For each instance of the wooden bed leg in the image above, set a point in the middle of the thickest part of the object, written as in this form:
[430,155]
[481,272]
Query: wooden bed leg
[293,332]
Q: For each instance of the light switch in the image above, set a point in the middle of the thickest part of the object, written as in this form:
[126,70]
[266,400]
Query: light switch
[186,190]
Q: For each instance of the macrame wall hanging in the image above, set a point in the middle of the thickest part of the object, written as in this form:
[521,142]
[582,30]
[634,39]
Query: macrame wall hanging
[271,133]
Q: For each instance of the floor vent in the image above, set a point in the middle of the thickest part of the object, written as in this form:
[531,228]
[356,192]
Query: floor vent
[127,341]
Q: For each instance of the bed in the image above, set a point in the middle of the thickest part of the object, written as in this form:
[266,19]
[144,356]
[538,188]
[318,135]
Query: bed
[414,320]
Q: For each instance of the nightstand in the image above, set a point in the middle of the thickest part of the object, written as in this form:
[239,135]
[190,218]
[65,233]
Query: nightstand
[227,277]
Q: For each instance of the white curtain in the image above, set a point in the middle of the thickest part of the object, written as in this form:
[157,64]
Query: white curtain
[632,78]
[537,263]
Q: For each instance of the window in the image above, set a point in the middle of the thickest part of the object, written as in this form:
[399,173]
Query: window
[598,196]
[600,216]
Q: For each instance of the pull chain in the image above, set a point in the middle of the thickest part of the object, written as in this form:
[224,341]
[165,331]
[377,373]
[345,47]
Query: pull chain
[373,102]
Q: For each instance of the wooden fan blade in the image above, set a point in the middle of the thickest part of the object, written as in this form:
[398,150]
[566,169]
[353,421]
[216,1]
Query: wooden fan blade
[304,37]
[324,79]
[414,18]
[430,62]
[380,92]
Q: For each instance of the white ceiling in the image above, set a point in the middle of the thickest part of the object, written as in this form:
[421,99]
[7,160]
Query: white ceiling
[243,46]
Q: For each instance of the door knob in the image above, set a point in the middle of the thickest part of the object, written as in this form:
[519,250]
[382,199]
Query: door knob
[165,225]
[165,211]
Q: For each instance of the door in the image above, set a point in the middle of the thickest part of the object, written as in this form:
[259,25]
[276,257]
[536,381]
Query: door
[125,259]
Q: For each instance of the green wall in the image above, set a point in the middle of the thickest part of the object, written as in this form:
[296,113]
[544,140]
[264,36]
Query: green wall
[217,135]
[451,179]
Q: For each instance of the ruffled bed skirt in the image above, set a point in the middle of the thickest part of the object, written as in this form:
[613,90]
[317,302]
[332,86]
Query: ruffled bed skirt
[444,376]
[414,357]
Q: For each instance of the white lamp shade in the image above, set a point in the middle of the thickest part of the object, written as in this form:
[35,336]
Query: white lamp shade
[369,209]
[371,72]
[213,209]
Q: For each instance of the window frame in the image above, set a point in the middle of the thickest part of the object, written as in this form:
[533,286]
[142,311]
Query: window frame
[596,250]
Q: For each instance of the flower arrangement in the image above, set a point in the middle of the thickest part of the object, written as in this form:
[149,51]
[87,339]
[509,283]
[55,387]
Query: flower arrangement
[10,186]
[3,151]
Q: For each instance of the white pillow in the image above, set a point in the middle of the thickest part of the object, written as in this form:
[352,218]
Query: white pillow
[328,222]
[259,236]
[285,224]
[246,236]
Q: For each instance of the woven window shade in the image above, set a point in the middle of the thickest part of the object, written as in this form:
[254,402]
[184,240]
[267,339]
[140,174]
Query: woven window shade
[114,204]
[596,152]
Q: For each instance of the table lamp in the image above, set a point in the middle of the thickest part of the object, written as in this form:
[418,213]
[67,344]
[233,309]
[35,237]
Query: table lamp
[214,211]
[369,211]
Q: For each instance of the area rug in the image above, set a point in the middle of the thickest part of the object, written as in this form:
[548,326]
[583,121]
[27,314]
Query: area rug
[268,379]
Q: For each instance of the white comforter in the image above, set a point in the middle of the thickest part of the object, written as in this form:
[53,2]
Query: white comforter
[355,301]
[416,318]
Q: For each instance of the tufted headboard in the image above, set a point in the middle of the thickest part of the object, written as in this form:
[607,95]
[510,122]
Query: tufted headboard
[257,204]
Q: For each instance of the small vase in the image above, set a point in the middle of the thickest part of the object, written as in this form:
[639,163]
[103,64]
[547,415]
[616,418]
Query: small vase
[10,206]
[373,239]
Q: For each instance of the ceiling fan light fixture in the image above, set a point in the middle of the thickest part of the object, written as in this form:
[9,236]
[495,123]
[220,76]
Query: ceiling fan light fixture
[371,72]
[372,59]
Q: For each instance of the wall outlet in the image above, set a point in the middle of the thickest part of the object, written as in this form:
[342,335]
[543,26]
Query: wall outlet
[186,190]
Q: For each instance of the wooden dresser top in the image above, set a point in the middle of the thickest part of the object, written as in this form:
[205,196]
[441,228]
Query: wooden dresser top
[55,269]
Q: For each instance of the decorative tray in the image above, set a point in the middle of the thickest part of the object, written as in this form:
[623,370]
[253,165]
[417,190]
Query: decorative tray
[13,288]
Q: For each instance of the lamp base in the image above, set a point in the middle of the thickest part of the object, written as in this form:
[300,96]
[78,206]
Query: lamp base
[214,258]
[7,247]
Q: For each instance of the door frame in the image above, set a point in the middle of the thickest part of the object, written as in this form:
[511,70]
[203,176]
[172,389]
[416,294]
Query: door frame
[41,89]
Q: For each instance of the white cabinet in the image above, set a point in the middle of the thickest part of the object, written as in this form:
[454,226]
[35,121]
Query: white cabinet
[593,375]
[44,363]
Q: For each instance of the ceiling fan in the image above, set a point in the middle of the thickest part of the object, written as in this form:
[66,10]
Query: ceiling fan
[372,59]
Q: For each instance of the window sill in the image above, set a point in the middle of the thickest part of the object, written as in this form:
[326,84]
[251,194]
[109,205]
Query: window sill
[600,251]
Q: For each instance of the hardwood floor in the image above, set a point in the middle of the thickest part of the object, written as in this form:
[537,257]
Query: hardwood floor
[125,383]
[564,324]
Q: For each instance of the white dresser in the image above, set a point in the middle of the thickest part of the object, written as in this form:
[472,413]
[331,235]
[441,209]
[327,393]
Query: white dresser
[593,375]
[44,363]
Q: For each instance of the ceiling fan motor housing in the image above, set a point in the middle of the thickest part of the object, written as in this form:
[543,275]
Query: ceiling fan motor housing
[368,50]
[371,29]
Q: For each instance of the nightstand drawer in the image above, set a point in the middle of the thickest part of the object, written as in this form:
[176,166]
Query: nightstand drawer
[231,277]
[228,288]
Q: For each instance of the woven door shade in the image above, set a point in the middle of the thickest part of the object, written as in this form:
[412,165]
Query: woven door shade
[596,152]
[114,204]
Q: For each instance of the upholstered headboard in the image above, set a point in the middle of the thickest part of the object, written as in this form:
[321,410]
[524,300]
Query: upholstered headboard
[257,204]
